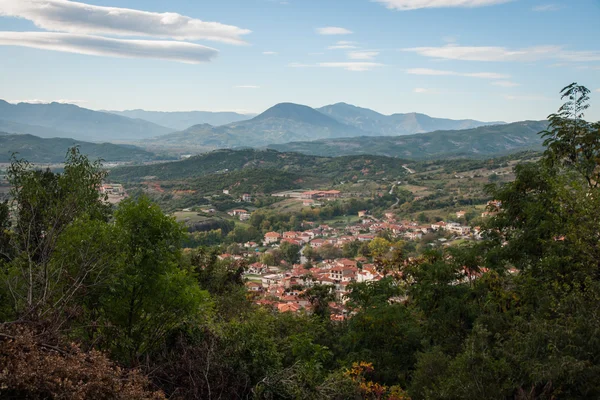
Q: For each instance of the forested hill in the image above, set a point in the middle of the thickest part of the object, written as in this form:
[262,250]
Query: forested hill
[222,161]
[40,150]
[481,142]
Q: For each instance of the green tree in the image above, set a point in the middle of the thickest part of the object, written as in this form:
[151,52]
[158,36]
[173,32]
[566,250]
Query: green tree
[153,294]
[290,252]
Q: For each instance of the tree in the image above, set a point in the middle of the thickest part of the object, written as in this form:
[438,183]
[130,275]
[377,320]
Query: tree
[379,247]
[329,252]
[319,297]
[290,252]
[45,204]
[570,140]
[153,294]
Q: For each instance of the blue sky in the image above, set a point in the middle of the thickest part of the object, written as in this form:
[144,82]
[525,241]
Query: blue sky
[482,59]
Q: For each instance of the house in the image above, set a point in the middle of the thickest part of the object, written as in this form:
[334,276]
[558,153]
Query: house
[254,287]
[271,280]
[458,229]
[271,237]
[290,235]
[436,226]
[112,189]
[244,216]
[246,198]
[225,191]
[288,307]
[460,214]
[235,213]
[390,216]
[343,274]
[316,243]
[362,214]
[416,235]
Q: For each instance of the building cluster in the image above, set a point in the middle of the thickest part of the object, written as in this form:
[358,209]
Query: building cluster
[285,290]
[283,287]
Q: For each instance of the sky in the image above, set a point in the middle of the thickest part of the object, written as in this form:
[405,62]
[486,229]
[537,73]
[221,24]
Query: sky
[491,60]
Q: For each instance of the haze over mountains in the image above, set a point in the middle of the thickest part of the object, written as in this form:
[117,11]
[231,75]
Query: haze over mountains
[478,142]
[77,122]
[181,120]
[287,122]
[337,129]
[44,150]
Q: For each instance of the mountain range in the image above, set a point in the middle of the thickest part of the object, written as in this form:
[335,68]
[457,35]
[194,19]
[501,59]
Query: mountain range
[53,150]
[180,120]
[279,124]
[286,122]
[68,120]
[396,124]
[484,141]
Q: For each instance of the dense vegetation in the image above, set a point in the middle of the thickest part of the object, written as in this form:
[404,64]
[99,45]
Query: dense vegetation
[485,141]
[222,161]
[514,316]
[53,150]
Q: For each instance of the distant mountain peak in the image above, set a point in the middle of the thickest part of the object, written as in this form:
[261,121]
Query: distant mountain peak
[298,113]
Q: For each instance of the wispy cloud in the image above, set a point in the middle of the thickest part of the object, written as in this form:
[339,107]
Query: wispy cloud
[347,65]
[420,90]
[437,72]
[341,47]
[505,84]
[405,5]
[247,87]
[485,53]
[81,18]
[493,53]
[598,90]
[270,53]
[547,7]
[101,46]
[333,30]
[528,98]
[362,55]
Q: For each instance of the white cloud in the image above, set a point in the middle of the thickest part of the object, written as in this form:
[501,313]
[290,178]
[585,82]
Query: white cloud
[270,53]
[505,84]
[333,30]
[100,46]
[247,87]
[546,7]
[345,42]
[404,5]
[81,18]
[362,55]
[437,72]
[348,65]
[598,90]
[492,53]
[341,47]
[579,56]
[486,53]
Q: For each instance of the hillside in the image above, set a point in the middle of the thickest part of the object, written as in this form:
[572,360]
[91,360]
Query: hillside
[395,124]
[224,161]
[79,123]
[279,124]
[181,120]
[40,150]
[479,142]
